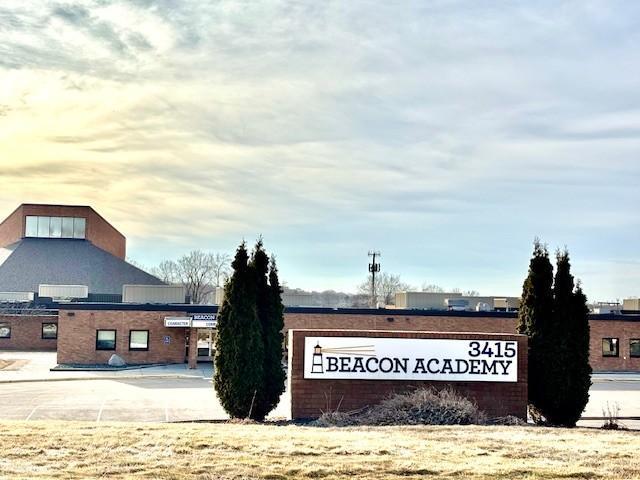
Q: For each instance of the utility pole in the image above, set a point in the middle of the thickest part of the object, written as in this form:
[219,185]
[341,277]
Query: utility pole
[373,269]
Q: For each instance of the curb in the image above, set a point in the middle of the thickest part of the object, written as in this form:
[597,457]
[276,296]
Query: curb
[609,380]
[106,377]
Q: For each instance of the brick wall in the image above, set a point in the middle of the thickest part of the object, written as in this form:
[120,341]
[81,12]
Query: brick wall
[77,337]
[623,331]
[310,397]
[26,332]
[390,321]
[77,344]
[12,228]
[98,231]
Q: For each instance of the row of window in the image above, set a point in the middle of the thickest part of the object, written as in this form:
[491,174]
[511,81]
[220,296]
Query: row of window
[611,347]
[138,339]
[55,227]
[49,330]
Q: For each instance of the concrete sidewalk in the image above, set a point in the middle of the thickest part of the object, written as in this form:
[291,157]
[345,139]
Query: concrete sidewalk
[39,364]
[615,377]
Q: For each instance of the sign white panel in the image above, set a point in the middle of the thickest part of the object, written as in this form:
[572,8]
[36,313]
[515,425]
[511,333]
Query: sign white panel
[204,323]
[204,316]
[177,322]
[375,358]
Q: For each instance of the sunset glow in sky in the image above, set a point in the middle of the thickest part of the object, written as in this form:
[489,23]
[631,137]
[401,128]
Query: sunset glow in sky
[446,134]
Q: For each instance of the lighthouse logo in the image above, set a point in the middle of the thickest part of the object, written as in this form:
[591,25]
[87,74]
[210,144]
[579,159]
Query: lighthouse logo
[317,363]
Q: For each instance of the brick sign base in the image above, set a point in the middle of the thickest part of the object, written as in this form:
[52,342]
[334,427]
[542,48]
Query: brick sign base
[311,397]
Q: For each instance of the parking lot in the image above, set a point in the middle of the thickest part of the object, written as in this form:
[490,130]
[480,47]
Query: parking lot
[139,400]
[174,393]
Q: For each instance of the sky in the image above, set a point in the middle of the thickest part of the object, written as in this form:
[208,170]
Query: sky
[445,134]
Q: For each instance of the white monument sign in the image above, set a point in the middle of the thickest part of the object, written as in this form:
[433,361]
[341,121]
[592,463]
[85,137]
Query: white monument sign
[383,358]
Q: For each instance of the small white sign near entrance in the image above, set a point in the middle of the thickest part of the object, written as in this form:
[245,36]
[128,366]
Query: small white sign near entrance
[204,320]
[204,323]
[175,322]
[204,316]
[376,358]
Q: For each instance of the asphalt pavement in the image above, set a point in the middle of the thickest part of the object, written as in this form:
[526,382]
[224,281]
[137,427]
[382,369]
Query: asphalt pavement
[175,393]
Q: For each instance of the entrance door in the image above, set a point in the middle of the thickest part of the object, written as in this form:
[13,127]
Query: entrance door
[206,344]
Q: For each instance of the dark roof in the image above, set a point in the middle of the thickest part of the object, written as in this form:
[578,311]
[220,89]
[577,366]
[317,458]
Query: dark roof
[33,261]
[389,312]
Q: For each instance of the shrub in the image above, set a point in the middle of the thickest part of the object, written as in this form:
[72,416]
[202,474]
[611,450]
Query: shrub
[424,406]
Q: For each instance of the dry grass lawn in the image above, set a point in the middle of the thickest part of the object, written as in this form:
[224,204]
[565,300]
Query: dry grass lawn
[32,450]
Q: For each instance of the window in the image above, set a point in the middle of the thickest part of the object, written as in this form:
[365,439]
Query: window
[610,347]
[31,227]
[634,347]
[78,227]
[43,226]
[55,227]
[49,331]
[5,330]
[67,227]
[105,339]
[139,340]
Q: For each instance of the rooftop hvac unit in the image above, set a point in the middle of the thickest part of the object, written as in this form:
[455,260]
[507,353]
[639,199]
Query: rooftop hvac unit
[63,292]
[456,304]
[14,297]
[153,294]
[483,307]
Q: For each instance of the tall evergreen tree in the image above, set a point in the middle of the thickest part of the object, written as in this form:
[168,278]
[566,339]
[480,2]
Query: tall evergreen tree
[239,355]
[270,312]
[559,385]
[569,376]
[534,320]
[274,342]
[555,317]
[260,264]
[579,367]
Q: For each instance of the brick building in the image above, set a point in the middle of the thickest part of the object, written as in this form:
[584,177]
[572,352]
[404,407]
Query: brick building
[91,333]
[45,248]
[73,246]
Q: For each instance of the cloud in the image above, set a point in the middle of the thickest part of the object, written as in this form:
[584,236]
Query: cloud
[459,128]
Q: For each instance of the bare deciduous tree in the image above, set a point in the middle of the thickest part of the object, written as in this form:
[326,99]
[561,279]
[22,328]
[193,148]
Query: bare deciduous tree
[387,285]
[200,272]
[221,263]
[167,271]
[432,288]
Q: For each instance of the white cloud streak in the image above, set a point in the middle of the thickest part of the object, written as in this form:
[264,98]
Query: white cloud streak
[462,128]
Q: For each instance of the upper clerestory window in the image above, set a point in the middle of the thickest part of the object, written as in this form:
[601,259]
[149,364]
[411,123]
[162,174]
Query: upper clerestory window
[55,227]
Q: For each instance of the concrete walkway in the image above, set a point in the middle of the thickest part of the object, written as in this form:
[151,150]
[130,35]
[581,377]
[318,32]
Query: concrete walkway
[36,367]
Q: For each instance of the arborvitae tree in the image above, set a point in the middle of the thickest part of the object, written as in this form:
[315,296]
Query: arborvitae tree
[569,374]
[270,313]
[274,342]
[239,356]
[578,347]
[558,384]
[534,320]
[556,321]
[260,264]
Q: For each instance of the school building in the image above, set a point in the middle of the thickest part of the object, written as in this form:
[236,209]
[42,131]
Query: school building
[64,281]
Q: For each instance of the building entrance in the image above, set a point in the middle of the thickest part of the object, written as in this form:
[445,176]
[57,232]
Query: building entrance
[206,344]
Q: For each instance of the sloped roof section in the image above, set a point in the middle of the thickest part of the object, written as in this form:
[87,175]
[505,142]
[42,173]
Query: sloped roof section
[34,261]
